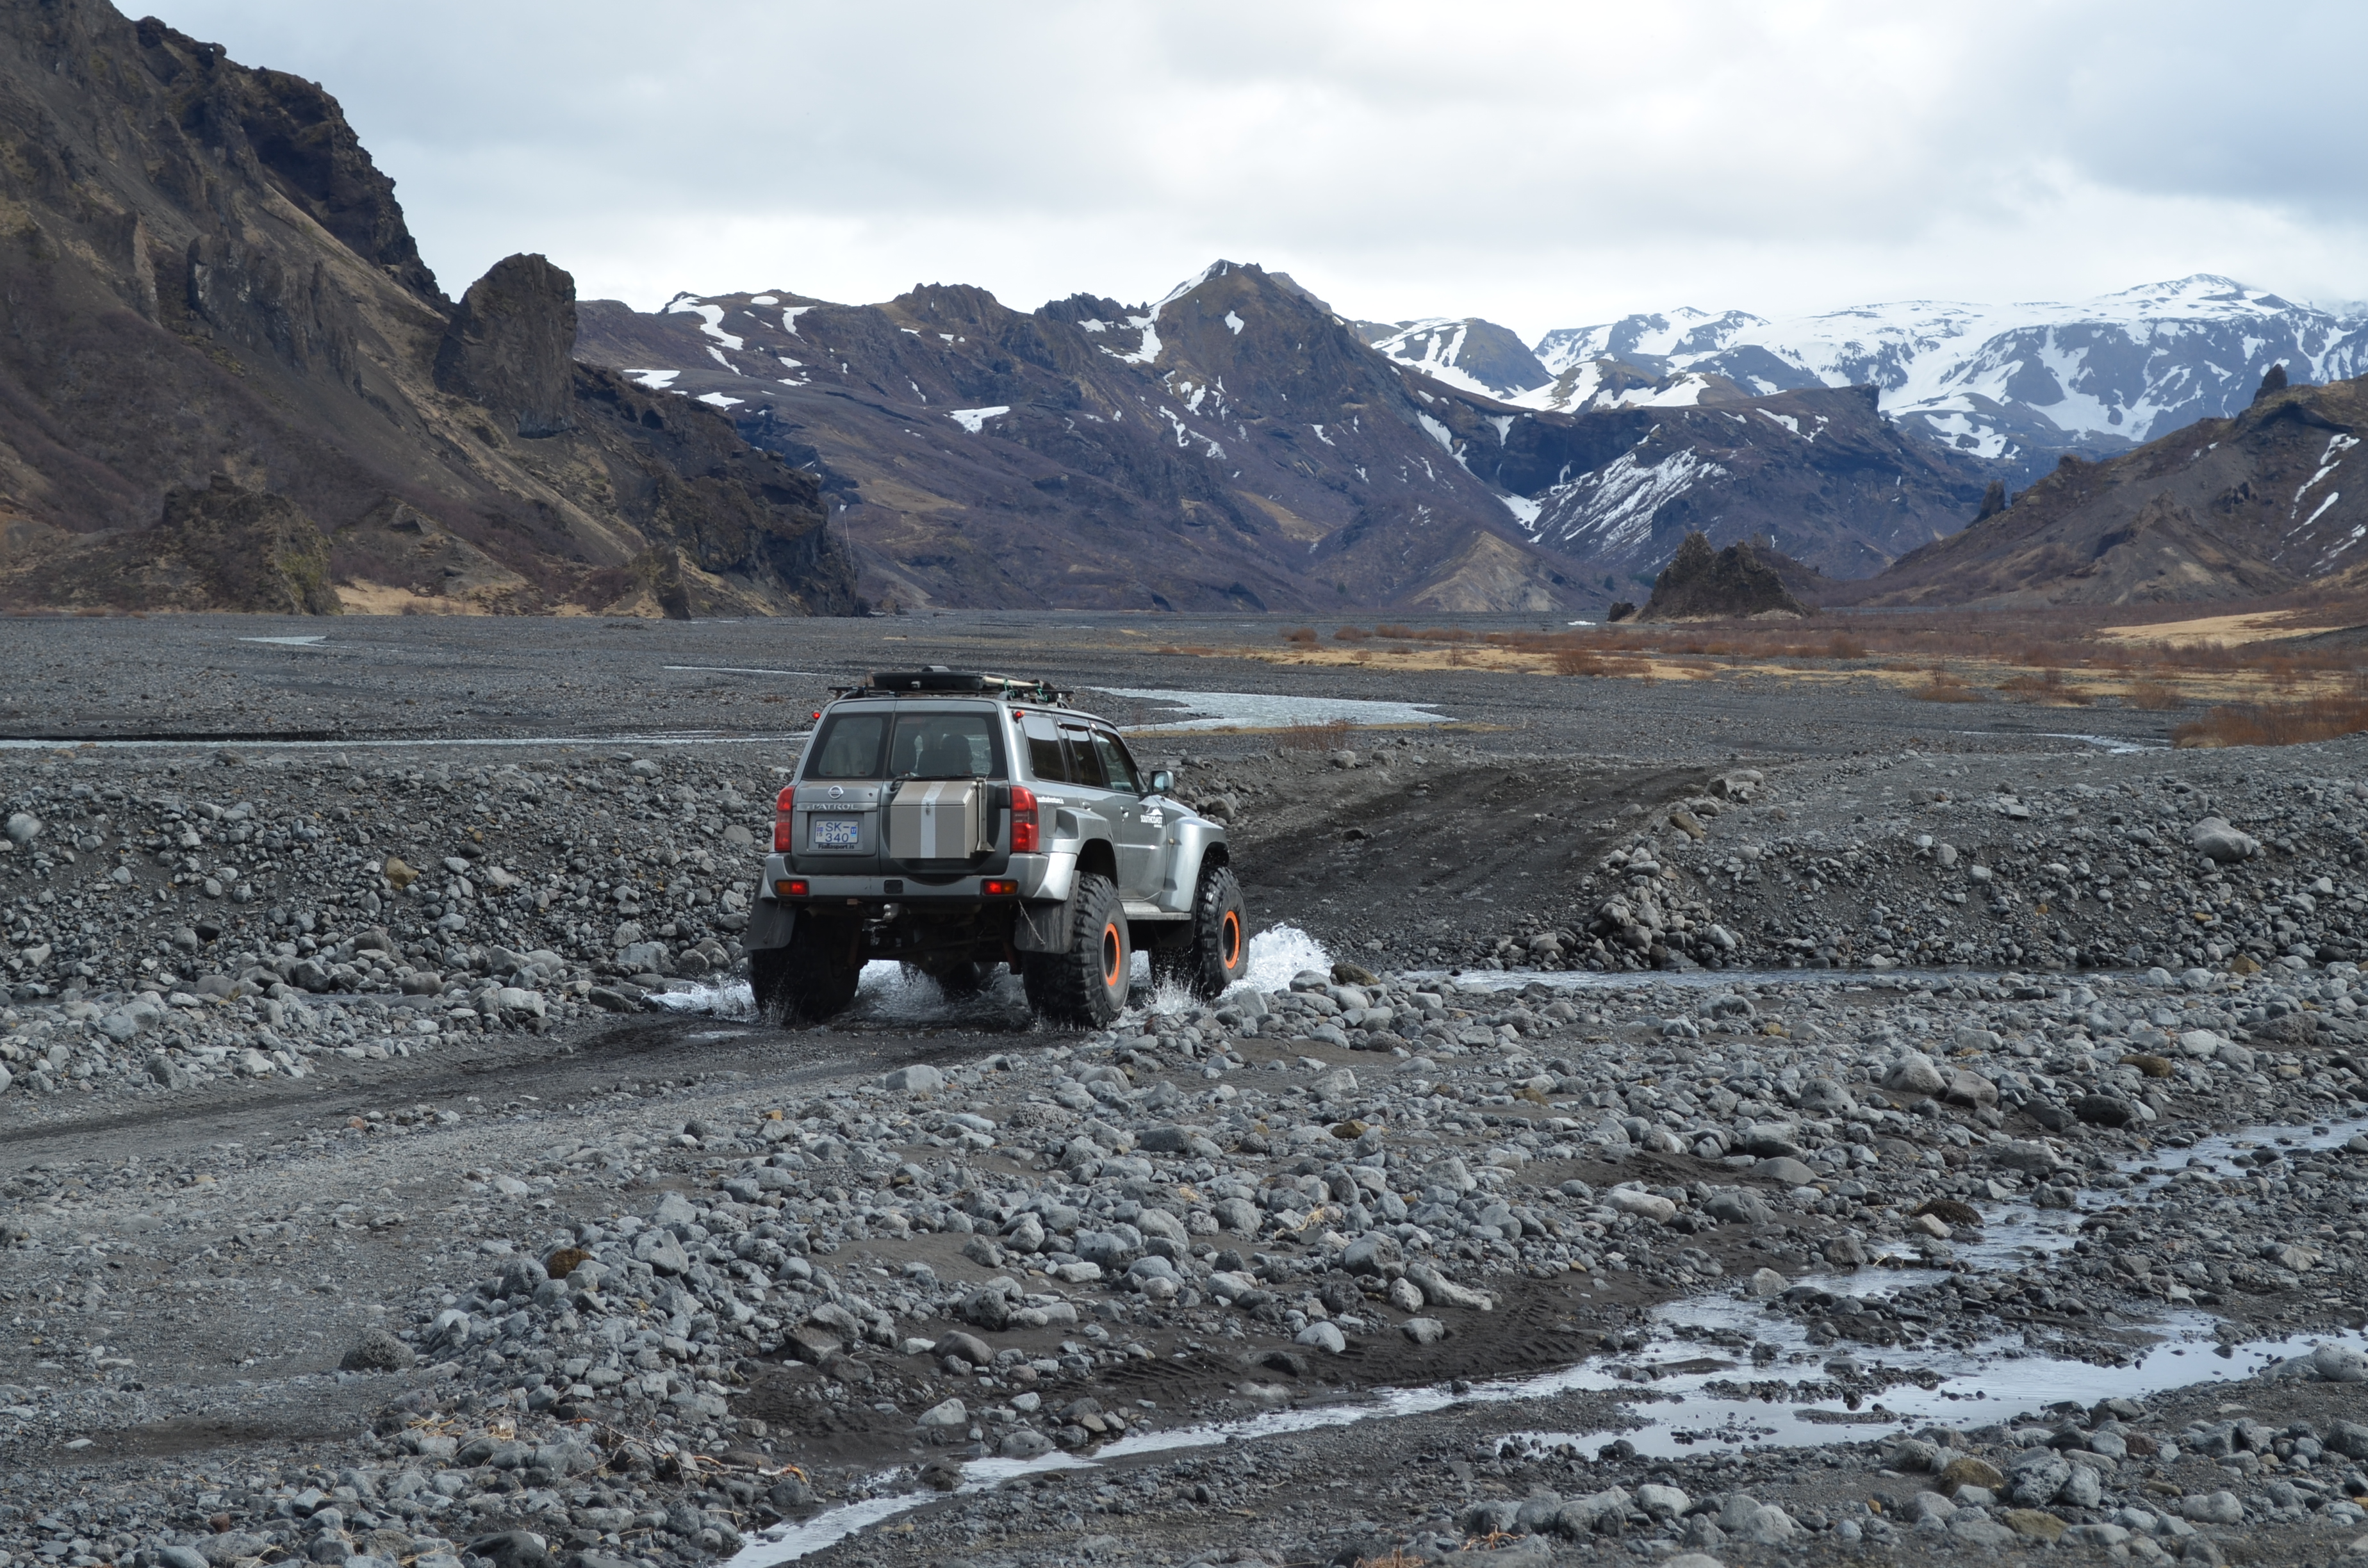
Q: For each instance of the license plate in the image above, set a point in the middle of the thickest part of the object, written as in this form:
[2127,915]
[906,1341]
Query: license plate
[837,833]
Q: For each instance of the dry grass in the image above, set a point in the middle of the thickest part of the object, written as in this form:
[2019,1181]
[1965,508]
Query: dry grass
[2276,724]
[2058,656]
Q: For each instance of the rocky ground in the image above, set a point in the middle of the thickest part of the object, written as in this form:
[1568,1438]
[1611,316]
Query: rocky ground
[391,1172]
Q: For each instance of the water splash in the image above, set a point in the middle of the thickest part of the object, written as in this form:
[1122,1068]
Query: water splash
[1278,952]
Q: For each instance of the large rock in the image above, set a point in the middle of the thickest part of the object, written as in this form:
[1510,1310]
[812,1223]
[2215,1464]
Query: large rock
[1703,584]
[1915,1073]
[511,345]
[2214,840]
[379,1351]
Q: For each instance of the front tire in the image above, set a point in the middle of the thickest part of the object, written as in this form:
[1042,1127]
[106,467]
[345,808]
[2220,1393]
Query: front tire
[812,979]
[1087,985]
[1219,953]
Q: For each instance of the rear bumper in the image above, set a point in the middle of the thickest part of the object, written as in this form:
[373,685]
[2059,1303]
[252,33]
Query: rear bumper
[1027,875]
[822,892]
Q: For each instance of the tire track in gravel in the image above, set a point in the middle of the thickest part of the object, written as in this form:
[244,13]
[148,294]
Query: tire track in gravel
[547,1067]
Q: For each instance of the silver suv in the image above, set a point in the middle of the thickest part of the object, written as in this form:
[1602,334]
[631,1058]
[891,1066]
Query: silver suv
[952,822]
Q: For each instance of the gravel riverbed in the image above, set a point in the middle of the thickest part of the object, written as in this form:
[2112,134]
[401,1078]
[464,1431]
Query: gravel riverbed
[391,1169]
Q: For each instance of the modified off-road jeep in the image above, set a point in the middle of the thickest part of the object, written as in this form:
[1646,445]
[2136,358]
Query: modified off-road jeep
[951,821]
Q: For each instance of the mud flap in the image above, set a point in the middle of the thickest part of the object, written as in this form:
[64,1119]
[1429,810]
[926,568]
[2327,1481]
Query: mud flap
[1040,926]
[770,922]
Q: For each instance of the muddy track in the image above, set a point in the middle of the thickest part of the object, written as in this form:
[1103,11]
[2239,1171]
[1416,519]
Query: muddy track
[1426,843]
[547,1067]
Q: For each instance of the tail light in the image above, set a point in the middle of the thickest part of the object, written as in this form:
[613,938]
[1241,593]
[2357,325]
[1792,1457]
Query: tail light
[783,803]
[1023,820]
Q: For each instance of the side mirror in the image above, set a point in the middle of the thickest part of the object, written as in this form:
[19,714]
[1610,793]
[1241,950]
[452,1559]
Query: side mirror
[1162,781]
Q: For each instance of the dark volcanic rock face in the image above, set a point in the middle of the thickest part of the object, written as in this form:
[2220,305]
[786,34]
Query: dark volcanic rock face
[1234,444]
[2228,508]
[207,278]
[1702,584]
[510,344]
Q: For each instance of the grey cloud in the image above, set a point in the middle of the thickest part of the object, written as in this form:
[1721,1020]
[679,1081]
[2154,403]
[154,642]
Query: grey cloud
[1541,164]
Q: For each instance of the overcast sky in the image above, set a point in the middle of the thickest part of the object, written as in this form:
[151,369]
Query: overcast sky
[1542,165]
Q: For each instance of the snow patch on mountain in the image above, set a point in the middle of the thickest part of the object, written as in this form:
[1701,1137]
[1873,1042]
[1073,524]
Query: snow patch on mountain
[1999,381]
[1610,509]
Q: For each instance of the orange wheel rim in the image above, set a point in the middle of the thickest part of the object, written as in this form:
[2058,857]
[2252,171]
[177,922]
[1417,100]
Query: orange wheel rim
[1229,940]
[1111,948]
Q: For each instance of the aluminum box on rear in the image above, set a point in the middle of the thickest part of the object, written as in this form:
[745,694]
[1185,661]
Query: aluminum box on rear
[939,820]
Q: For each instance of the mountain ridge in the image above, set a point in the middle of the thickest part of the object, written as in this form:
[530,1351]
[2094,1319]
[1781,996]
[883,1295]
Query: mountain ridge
[2015,385]
[211,294]
[2225,509]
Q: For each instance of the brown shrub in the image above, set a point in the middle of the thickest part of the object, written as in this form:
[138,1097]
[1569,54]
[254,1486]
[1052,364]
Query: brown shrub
[2048,686]
[1300,634]
[1946,688]
[2276,724]
[1352,635]
[1332,736]
[2154,696]
[1398,634]
[1843,646]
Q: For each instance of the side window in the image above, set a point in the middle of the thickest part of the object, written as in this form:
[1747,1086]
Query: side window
[1045,759]
[1085,763]
[1116,765]
[849,747]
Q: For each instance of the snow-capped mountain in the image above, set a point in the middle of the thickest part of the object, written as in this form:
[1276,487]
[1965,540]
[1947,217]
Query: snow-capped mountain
[2010,383]
[1475,354]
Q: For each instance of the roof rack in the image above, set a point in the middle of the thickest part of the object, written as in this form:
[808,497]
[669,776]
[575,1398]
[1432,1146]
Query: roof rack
[935,678]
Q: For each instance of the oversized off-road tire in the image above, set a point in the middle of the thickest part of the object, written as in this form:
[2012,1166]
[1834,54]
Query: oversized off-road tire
[1087,985]
[812,979]
[1219,952]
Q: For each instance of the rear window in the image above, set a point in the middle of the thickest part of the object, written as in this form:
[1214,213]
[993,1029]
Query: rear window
[913,745]
[848,747]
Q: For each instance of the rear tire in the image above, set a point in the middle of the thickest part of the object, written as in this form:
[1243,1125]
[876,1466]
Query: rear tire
[1086,985]
[812,979]
[1219,953]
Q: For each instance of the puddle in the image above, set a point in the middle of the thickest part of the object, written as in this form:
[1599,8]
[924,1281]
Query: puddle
[1993,1382]
[1995,1379]
[288,641]
[1261,711]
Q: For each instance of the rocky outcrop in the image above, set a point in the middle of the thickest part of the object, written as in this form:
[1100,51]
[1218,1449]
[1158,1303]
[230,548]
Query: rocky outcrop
[511,346]
[1700,583]
[216,547]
